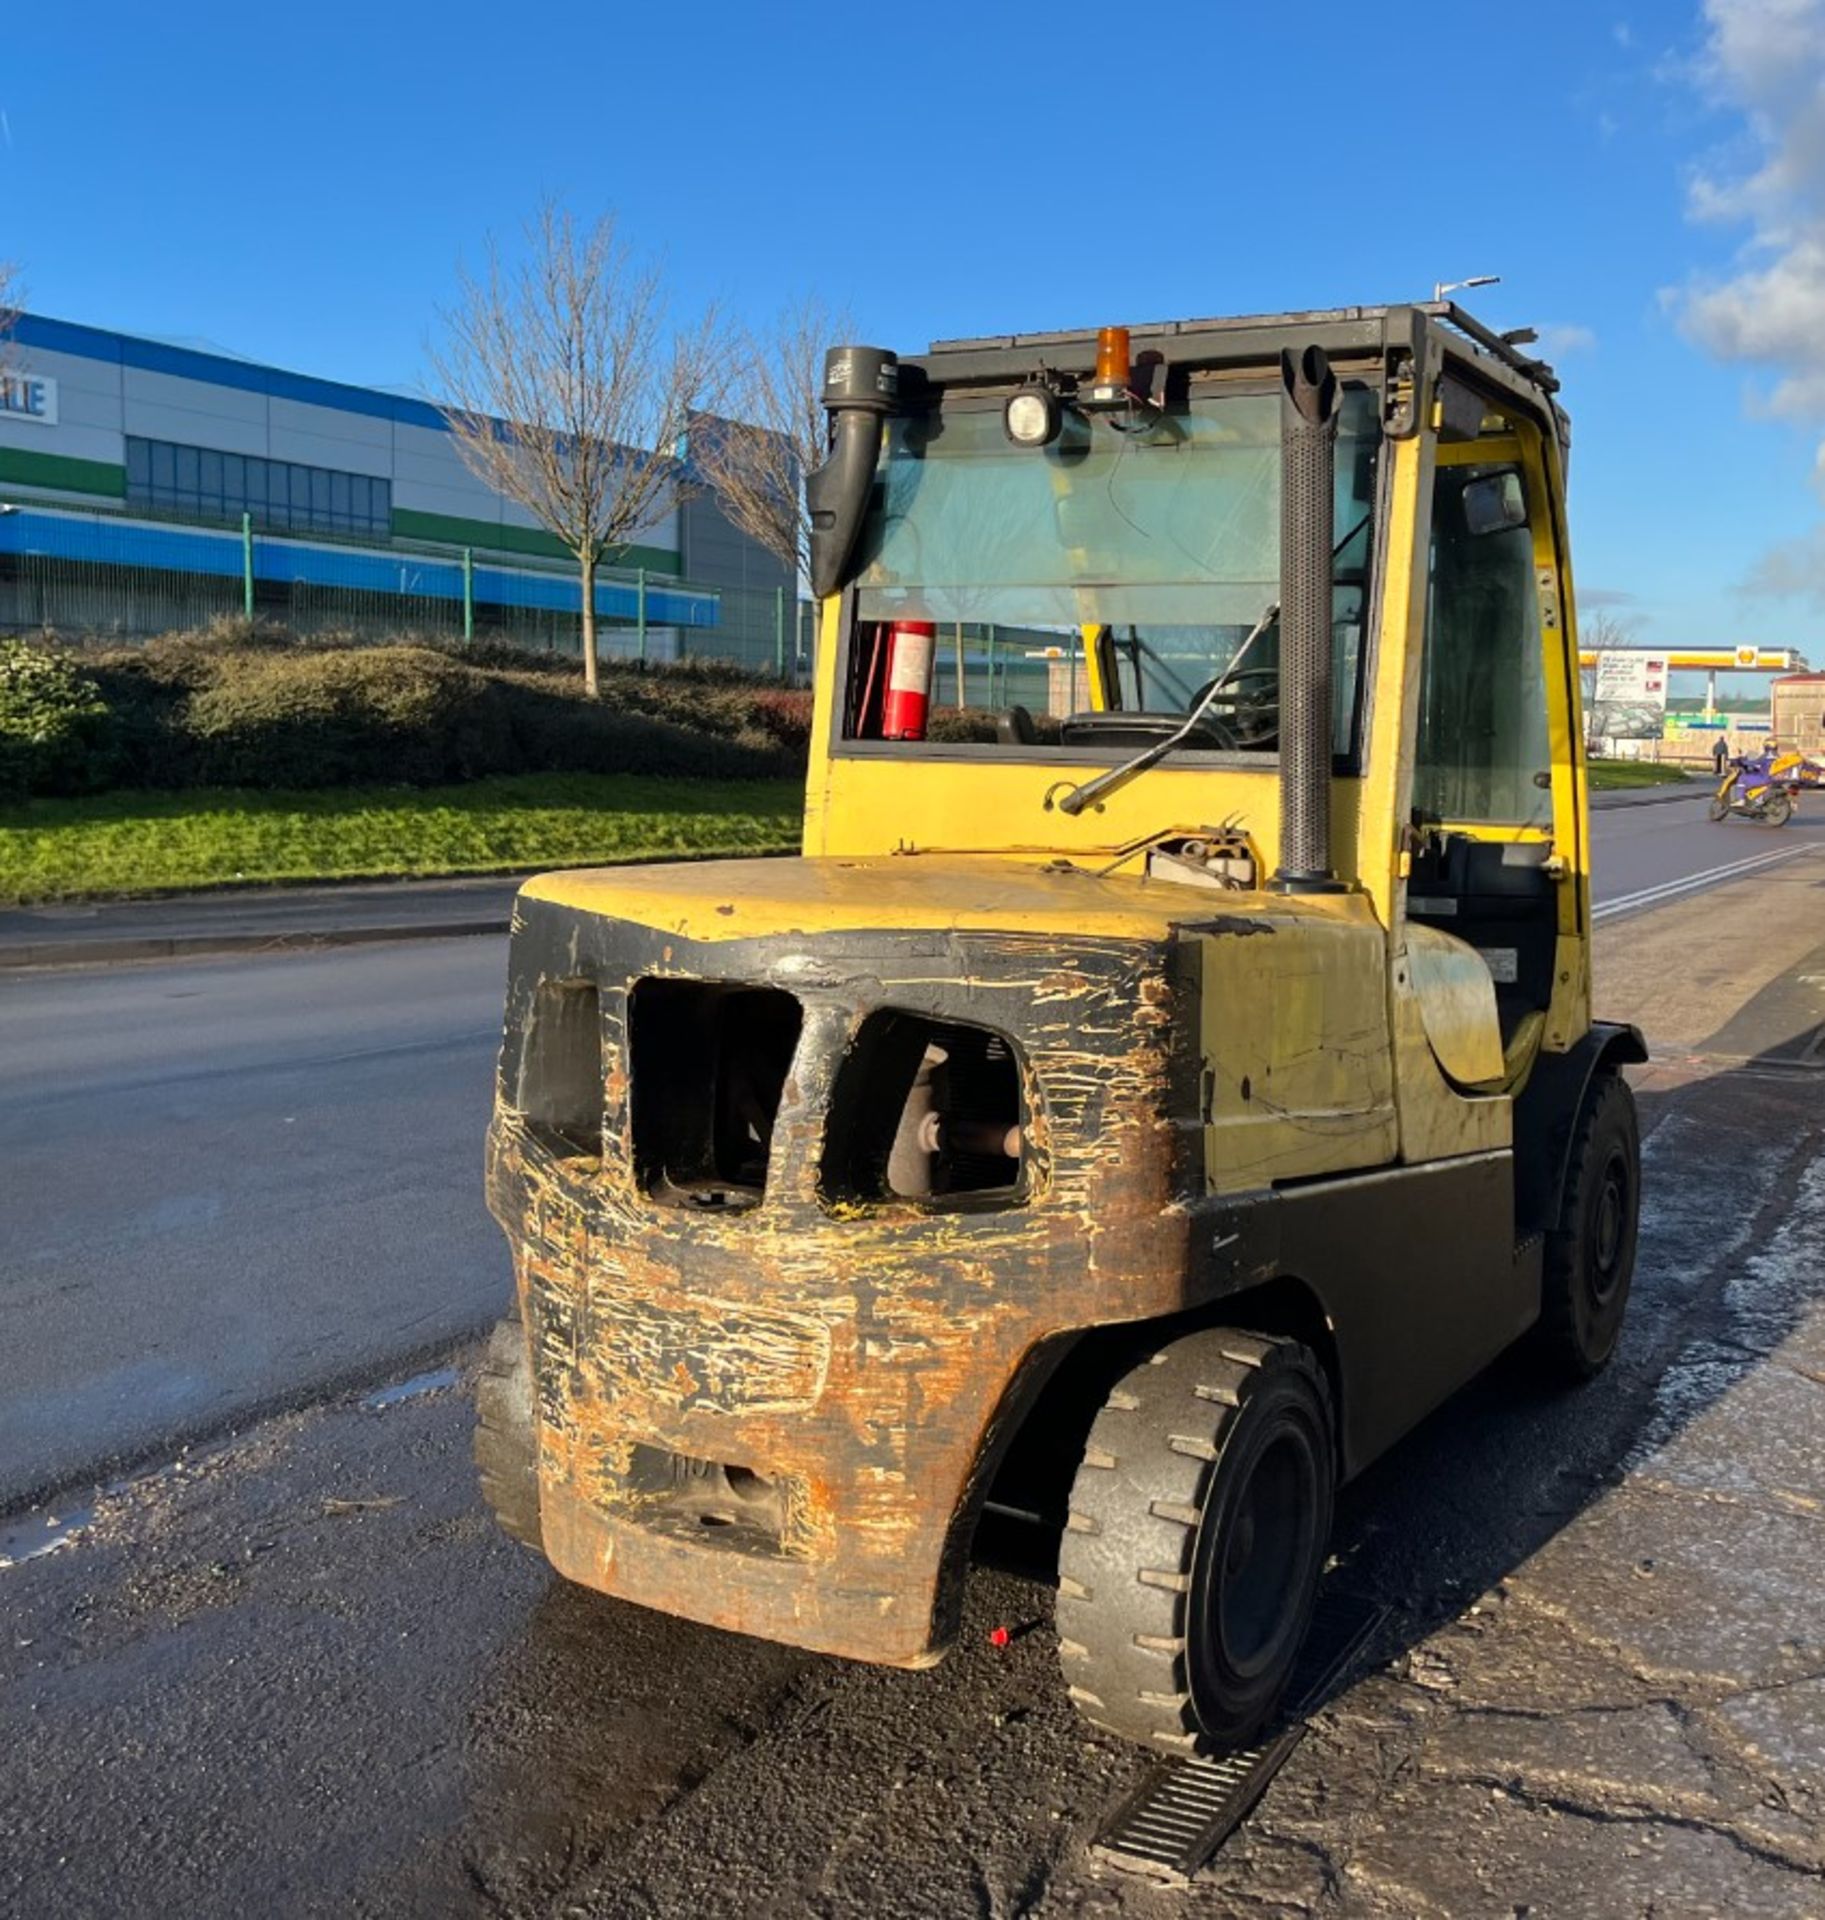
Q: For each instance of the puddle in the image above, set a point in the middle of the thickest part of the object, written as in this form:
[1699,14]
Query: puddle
[420,1383]
[32,1539]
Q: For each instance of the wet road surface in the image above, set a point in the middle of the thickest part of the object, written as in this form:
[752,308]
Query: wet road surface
[301,1673]
[233,1181]
[297,1671]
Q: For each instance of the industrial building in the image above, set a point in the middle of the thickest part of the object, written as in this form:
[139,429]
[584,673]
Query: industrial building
[146,485]
[1797,712]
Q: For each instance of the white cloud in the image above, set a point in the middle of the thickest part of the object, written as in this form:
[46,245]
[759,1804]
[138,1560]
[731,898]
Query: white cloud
[1560,342]
[1623,35]
[1764,62]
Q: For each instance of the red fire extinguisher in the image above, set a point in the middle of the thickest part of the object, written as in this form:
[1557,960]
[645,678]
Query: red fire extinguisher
[912,646]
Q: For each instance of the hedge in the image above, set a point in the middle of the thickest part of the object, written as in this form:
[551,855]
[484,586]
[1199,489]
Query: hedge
[254,707]
[54,723]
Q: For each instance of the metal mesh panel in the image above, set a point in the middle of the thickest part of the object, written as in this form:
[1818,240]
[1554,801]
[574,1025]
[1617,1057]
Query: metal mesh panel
[132,577]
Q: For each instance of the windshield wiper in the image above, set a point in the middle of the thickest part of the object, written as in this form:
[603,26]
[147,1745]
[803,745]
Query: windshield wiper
[1092,791]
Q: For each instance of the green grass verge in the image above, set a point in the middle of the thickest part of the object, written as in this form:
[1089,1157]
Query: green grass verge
[116,843]
[1609,774]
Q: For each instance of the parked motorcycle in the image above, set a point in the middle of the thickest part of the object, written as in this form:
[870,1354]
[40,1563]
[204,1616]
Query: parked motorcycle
[1752,791]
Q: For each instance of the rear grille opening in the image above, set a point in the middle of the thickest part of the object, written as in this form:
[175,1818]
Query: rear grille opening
[709,1065]
[678,1494]
[926,1110]
[560,1080]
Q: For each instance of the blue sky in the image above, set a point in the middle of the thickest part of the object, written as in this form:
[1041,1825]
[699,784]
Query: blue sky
[298,185]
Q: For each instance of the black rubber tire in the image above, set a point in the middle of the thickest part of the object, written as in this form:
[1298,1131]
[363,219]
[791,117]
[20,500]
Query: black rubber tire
[506,1442]
[1590,1255]
[1779,810]
[1162,1492]
[1718,809]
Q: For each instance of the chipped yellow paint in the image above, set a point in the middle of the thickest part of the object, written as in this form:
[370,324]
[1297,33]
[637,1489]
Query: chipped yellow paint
[1298,1076]
[927,895]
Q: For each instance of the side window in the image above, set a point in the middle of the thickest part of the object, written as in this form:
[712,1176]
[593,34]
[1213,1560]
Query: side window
[1482,701]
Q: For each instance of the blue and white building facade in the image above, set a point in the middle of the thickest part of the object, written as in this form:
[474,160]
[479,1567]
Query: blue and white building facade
[119,452]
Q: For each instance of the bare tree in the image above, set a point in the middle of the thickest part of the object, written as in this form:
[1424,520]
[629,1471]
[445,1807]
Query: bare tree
[1602,632]
[567,389]
[10,295]
[755,462]
[1598,632]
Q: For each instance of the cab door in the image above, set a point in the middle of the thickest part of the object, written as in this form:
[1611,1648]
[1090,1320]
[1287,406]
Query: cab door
[1494,905]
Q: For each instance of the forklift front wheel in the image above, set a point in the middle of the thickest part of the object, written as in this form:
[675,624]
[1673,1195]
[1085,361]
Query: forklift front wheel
[1197,1534]
[1590,1256]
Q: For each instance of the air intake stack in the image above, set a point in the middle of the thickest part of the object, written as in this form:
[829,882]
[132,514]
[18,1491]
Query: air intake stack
[1308,463]
[861,388]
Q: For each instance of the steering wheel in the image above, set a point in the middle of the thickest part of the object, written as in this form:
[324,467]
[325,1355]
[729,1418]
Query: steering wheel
[1253,719]
[1117,726]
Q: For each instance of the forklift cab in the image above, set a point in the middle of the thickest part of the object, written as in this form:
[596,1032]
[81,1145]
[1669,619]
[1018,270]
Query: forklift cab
[1136,556]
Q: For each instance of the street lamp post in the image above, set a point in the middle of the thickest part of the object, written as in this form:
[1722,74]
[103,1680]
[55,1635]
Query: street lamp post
[1443,287]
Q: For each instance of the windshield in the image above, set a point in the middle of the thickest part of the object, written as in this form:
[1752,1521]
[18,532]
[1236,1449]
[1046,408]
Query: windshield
[1111,573]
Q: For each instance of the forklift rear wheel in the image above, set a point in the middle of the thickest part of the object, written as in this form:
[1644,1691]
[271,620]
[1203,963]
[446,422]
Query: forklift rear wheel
[1197,1534]
[506,1444]
[1590,1256]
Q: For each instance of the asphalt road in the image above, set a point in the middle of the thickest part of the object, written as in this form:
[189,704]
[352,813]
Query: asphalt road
[297,1671]
[234,1183]
[231,1182]
[1644,856]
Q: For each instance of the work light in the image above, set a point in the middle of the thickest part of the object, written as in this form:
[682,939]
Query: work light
[1031,417]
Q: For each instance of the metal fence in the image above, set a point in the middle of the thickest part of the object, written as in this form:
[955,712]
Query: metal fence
[981,665]
[109,576]
[101,575]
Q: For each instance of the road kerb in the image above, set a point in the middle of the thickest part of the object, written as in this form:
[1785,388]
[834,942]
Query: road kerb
[185,946]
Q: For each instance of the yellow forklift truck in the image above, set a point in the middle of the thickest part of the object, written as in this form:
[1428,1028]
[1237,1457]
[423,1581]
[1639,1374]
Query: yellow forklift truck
[1128,1118]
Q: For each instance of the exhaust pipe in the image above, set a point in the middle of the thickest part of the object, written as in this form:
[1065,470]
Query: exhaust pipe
[861,387]
[1308,462]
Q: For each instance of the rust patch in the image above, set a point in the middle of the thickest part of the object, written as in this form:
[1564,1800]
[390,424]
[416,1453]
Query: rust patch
[856,1357]
[1239,926]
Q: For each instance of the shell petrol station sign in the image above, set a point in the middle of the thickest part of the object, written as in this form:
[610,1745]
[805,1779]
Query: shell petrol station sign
[1623,690]
[1744,658]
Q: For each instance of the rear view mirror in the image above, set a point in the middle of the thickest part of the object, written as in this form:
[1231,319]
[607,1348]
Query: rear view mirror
[1495,503]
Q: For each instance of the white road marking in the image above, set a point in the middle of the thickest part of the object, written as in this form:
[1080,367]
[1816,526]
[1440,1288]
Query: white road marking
[1694,882]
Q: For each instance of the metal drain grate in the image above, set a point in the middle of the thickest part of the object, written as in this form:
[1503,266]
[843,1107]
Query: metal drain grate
[1184,1811]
